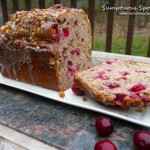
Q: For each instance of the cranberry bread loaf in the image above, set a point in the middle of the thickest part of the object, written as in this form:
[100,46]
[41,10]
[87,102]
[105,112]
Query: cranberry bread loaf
[113,82]
[46,47]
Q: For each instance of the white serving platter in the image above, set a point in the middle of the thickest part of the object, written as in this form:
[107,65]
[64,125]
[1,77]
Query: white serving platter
[70,98]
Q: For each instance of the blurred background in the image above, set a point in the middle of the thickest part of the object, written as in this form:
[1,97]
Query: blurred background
[120,26]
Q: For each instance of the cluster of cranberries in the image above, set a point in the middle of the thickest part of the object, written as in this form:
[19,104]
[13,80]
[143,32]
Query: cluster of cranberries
[77,90]
[105,127]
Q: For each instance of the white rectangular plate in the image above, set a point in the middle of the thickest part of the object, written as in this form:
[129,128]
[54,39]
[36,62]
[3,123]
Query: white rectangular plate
[129,115]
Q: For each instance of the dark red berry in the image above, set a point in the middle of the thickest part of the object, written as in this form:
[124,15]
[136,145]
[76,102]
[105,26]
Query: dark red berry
[109,62]
[141,140]
[136,96]
[56,36]
[101,75]
[82,40]
[105,145]
[113,85]
[120,97]
[138,88]
[75,52]
[77,91]
[65,32]
[78,67]
[76,22]
[104,125]
[55,27]
[71,71]
[58,6]
[124,73]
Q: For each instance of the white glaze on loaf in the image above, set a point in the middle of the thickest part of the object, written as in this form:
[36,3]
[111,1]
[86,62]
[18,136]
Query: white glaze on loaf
[46,47]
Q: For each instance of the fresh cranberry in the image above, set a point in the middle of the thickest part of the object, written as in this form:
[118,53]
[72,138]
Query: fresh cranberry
[124,73]
[104,125]
[76,22]
[141,140]
[101,75]
[82,40]
[75,52]
[65,32]
[56,36]
[71,71]
[136,96]
[58,6]
[78,67]
[113,85]
[120,97]
[109,62]
[55,27]
[77,91]
[105,145]
[137,88]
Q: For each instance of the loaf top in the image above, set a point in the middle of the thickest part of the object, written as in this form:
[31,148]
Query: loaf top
[118,82]
[29,28]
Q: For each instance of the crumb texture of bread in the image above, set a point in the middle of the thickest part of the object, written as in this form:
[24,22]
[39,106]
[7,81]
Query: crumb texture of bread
[46,47]
[124,83]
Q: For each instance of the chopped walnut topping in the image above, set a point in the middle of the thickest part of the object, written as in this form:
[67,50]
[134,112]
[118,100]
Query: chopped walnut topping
[4,28]
[62,94]
[52,61]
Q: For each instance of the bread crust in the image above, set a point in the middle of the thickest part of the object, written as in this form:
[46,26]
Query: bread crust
[41,73]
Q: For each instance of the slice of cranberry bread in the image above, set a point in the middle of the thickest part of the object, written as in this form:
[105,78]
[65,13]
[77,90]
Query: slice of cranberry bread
[113,82]
[46,47]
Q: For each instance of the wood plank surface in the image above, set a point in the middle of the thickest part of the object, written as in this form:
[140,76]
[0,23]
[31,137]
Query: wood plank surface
[15,5]
[91,8]
[73,3]
[41,3]
[4,10]
[28,4]
[13,140]
[110,20]
[148,51]
[56,1]
[130,29]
